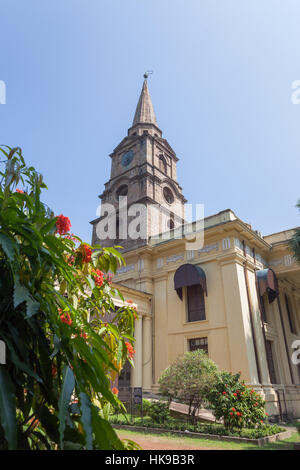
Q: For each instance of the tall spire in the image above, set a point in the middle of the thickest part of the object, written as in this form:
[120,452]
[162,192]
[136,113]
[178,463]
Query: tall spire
[144,111]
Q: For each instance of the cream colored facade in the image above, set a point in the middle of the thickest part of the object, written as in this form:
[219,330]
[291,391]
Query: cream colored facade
[163,332]
[236,329]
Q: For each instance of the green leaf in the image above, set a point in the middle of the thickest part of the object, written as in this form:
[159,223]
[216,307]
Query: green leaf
[8,246]
[8,408]
[48,227]
[20,293]
[57,346]
[105,436]
[64,400]
[20,364]
[32,307]
[86,417]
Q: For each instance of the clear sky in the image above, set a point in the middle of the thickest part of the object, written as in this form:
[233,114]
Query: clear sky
[221,90]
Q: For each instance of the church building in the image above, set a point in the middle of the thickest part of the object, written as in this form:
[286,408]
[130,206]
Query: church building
[236,295]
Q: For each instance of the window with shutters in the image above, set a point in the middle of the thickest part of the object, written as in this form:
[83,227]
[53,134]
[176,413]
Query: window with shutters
[195,303]
[270,359]
[198,343]
[290,315]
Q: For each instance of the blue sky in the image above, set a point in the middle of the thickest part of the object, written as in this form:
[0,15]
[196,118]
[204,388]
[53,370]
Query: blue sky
[221,90]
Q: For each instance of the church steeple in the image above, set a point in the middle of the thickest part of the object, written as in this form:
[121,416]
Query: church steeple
[144,111]
[143,169]
[144,120]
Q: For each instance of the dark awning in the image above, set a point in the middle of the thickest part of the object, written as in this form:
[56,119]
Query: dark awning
[189,275]
[267,282]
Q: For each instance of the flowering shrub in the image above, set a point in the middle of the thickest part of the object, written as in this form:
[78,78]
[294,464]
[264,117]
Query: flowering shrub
[61,356]
[235,403]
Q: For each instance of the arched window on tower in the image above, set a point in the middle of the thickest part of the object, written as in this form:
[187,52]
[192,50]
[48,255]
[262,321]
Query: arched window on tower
[162,164]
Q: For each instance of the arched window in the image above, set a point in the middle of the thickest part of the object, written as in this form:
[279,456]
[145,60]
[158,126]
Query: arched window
[168,195]
[170,224]
[195,303]
[122,191]
[193,279]
[162,164]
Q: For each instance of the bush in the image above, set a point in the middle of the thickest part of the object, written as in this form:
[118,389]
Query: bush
[189,380]
[215,429]
[159,411]
[235,403]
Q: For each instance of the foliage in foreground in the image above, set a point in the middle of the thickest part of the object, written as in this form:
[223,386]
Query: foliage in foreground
[61,354]
[189,380]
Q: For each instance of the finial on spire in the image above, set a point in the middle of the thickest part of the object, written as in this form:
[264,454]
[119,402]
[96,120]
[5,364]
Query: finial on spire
[147,73]
[144,111]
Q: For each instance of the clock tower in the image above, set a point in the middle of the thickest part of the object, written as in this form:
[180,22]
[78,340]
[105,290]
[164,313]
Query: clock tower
[143,194]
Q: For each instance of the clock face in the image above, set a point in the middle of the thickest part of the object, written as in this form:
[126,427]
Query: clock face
[127,158]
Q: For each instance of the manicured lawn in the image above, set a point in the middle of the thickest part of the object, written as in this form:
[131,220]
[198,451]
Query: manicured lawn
[169,441]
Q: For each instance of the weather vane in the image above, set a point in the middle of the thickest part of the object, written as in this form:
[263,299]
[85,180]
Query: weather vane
[147,73]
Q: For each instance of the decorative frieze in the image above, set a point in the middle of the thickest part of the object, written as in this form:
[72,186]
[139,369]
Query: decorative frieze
[174,258]
[208,248]
[275,262]
[126,269]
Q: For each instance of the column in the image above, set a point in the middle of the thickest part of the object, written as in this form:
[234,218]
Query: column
[137,378]
[147,353]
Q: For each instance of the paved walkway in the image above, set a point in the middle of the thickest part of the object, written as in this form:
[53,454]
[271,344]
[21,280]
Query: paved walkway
[184,409]
[162,443]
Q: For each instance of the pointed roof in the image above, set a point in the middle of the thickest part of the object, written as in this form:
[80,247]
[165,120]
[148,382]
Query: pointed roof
[144,111]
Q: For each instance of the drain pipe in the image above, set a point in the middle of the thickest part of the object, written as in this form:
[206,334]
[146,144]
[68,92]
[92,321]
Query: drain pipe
[251,316]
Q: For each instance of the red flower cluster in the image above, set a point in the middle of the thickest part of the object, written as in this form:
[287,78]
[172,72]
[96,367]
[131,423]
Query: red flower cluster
[115,390]
[63,224]
[20,191]
[54,371]
[65,318]
[98,277]
[86,254]
[224,393]
[71,237]
[131,351]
